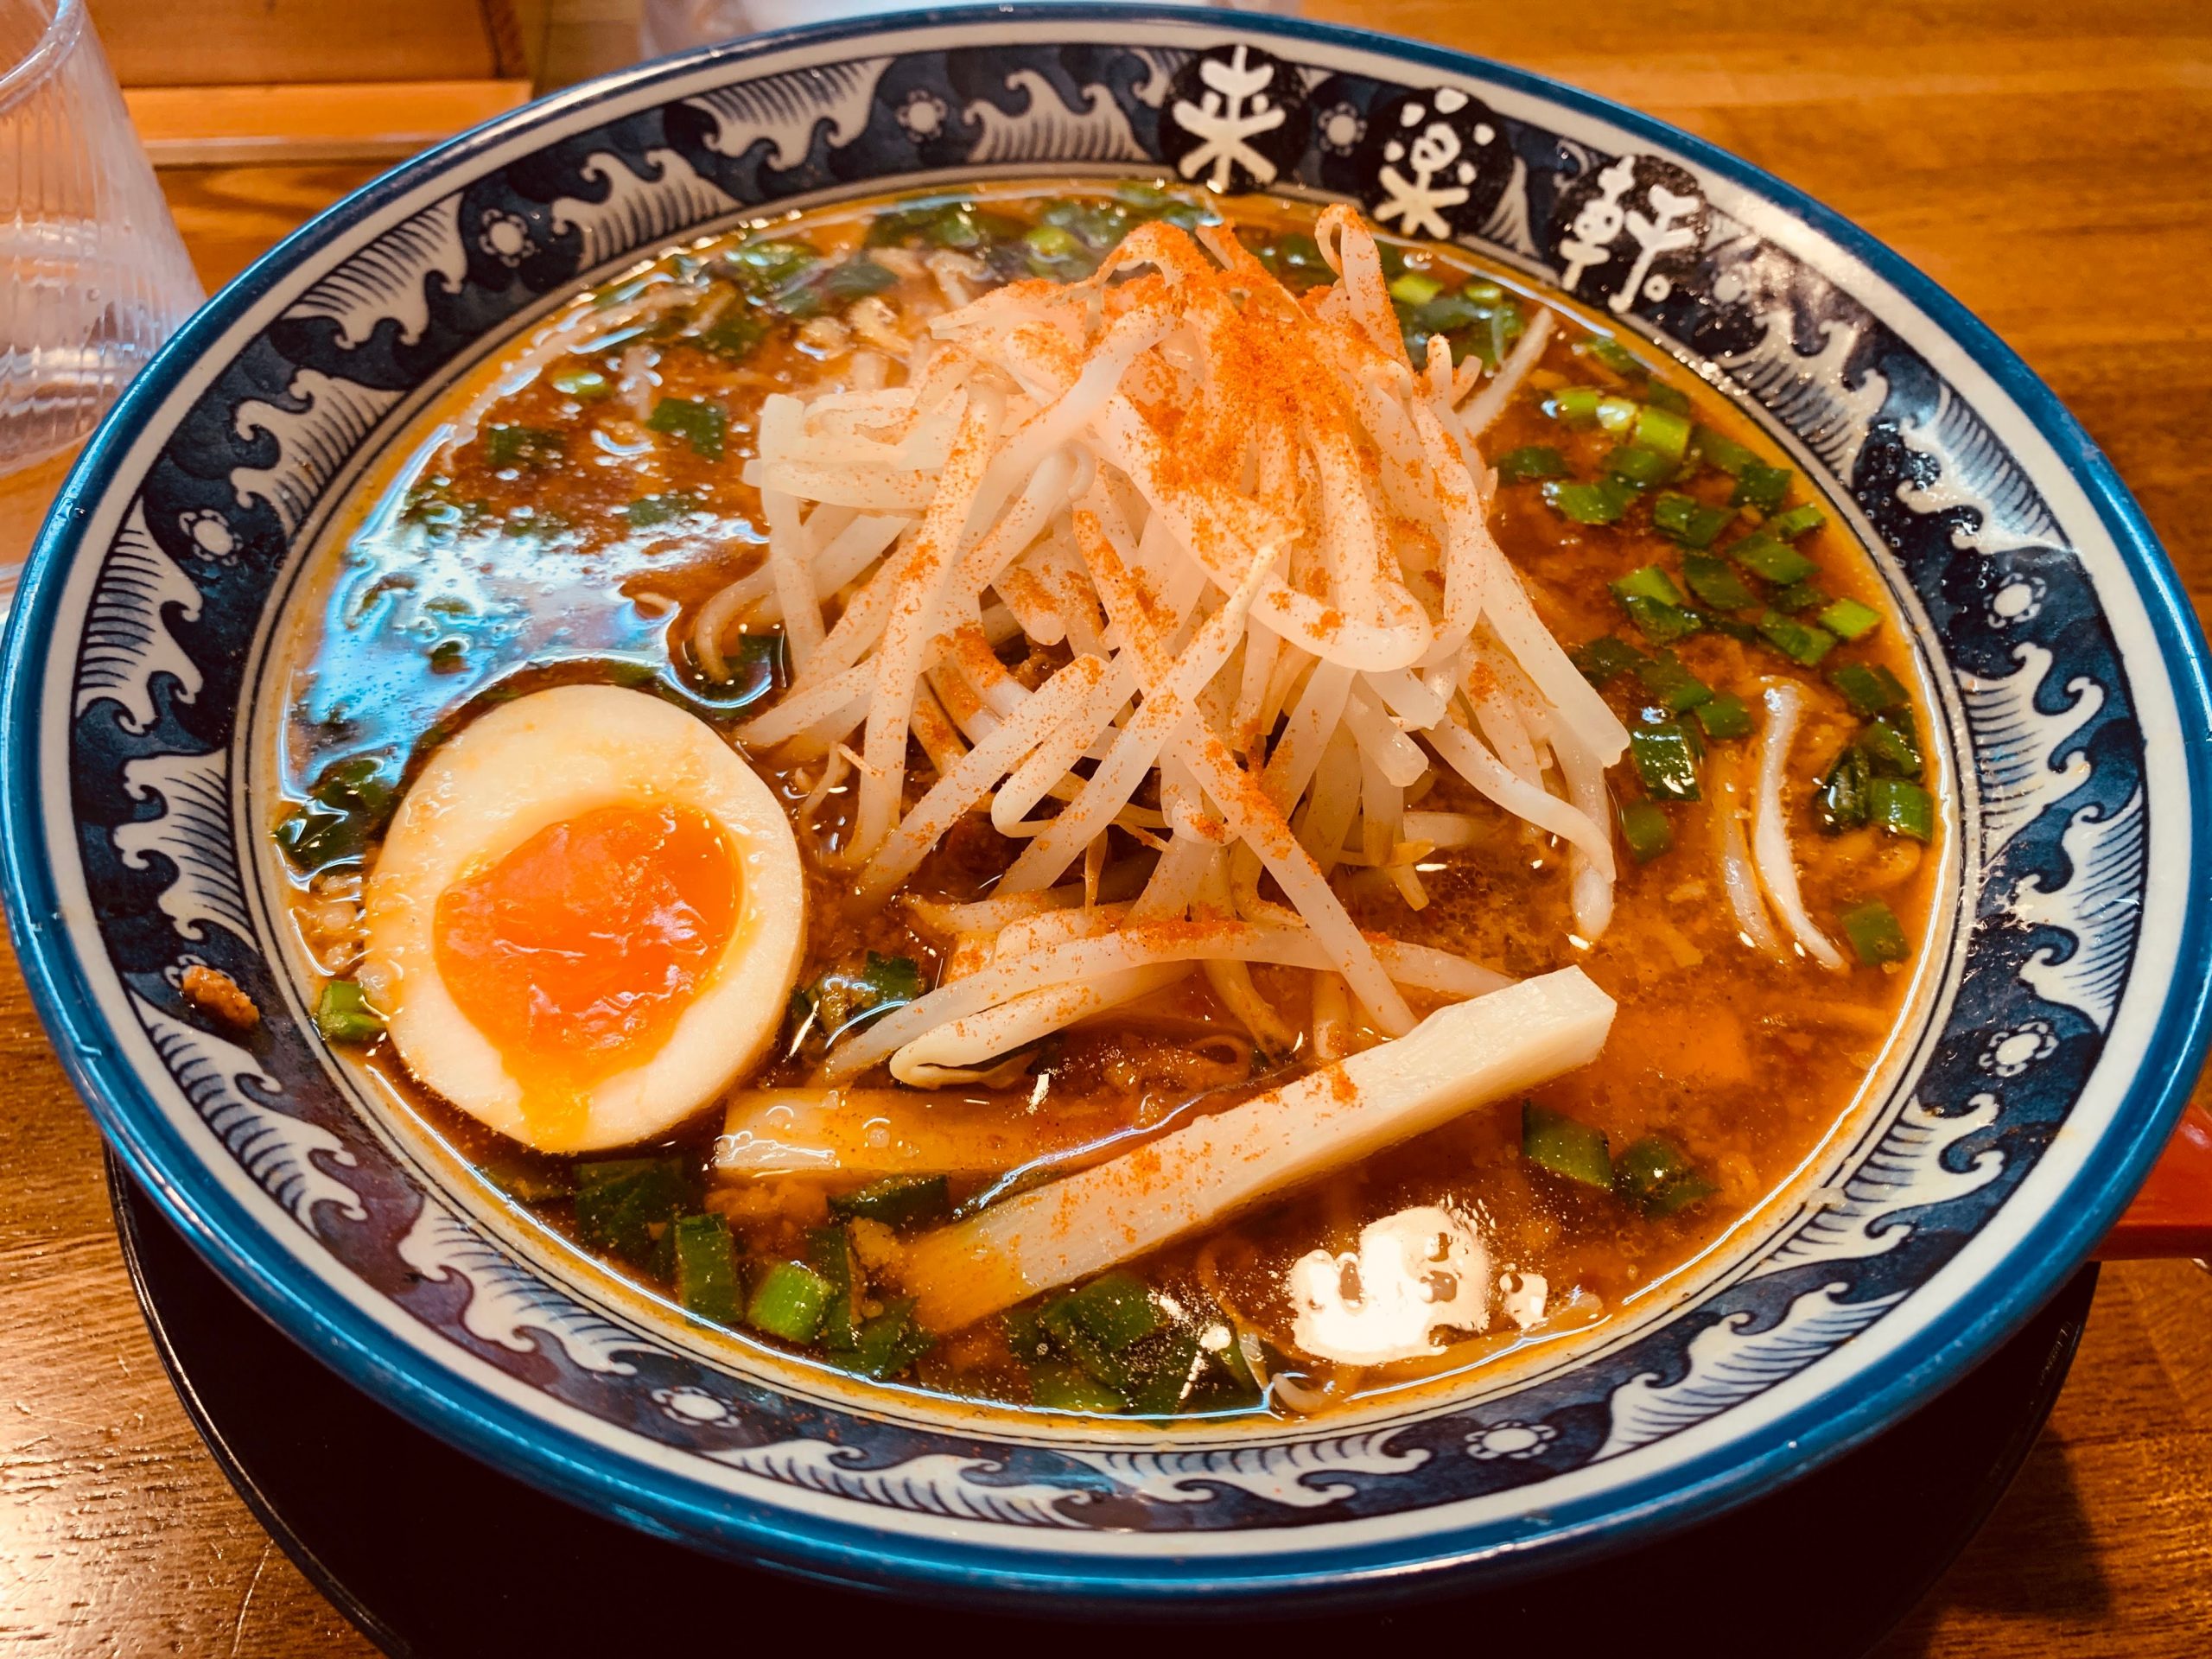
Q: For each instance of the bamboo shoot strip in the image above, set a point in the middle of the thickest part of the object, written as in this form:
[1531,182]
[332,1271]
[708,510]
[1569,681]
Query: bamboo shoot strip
[1460,1058]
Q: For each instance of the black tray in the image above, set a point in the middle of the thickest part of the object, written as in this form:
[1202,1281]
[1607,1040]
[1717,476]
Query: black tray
[432,1553]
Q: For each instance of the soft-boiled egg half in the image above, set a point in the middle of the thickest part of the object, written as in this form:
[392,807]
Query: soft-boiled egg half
[585,920]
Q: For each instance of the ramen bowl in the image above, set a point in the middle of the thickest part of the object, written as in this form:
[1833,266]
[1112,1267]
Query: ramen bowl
[2055,1017]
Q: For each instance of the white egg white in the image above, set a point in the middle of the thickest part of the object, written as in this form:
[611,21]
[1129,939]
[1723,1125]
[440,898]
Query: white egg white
[542,760]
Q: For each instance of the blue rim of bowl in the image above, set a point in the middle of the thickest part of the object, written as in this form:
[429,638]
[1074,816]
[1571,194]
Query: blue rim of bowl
[669,1505]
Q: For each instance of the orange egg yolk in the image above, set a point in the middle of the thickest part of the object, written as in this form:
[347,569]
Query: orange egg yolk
[576,953]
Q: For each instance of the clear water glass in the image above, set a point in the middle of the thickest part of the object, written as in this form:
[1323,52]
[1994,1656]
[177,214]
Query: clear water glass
[95,275]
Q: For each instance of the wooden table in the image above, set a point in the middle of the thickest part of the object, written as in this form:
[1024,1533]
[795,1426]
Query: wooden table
[2048,168]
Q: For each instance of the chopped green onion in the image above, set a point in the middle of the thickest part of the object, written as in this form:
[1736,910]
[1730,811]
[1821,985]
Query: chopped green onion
[1445,316]
[581,382]
[1770,560]
[886,1345]
[1605,656]
[1611,352]
[1760,486]
[1531,460]
[897,1201]
[706,1269]
[1101,225]
[1649,581]
[850,280]
[788,1302]
[896,980]
[1794,523]
[1849,620]
[1025,1337]
[1839,801]
[1732,628]
[829,1253]
[1416,288]
[1641,467]
[1902,807]
[1671,685]
[1892,745]
[1799,596]
[704,423]
[650,511]
[1727,454]
[1616,414]
[1661,623]
[529,1181]
[1801,642]
[1600,503]
[342,1014]
[623,1205]
[1665,760]
[1724,717]
[1555,1142]
[1145,200]
[1577,405]
[765,264]
[964,226]
[1058,1386]
[1074,1342]
[1505,321]
[356,784]
[1873,931]
[1230,1357]
[523,446]
[734,333]
[1868,687]
[1684,518]
[1053,252]
[1657,1177]
[1113,1311]
[1666,397]
[617,293]
[755,662]
[1664,431]
[1483,292]
[348,808]
[1713,582]
[1646,829]
[895,226]
[1167,1382]
[841,1000]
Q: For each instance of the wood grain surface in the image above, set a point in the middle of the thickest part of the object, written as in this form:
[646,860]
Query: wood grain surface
[2045,162]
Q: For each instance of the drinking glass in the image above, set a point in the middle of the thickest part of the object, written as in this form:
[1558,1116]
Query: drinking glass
[92,274]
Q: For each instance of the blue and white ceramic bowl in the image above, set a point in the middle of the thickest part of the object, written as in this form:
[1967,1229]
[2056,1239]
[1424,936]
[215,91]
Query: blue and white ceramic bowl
[2056,1031]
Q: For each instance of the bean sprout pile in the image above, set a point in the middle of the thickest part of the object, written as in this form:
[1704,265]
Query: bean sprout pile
[1248,536]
